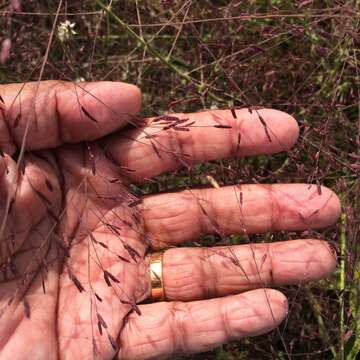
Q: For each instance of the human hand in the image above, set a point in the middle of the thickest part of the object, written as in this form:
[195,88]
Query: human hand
[74,242]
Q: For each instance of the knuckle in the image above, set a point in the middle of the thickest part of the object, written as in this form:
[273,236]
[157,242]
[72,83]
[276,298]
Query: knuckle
[179,314]
[209,275]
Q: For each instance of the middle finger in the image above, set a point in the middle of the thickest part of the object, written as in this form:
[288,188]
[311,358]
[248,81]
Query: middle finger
[172,218]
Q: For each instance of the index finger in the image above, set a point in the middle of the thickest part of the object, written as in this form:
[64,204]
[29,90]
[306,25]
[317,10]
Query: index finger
[58,112]
[210,135]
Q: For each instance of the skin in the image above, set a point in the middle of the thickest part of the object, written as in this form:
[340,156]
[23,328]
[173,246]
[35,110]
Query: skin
[211,298]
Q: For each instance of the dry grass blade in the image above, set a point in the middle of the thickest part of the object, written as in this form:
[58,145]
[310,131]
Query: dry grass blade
[91,117]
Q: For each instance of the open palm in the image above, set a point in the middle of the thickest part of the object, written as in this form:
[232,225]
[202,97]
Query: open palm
[74,242]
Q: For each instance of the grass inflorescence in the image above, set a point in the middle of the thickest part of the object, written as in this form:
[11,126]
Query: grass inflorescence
[300,57]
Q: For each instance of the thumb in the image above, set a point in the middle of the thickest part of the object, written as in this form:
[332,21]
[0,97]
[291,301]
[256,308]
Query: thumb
[58,112]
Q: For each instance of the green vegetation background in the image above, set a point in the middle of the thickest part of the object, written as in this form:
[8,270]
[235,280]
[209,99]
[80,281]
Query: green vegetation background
[297,56]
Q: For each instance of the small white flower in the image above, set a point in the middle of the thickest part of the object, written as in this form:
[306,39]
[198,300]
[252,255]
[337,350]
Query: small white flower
[80,79]
[66,30]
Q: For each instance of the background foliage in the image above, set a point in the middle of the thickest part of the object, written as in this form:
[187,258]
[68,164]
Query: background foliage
[297,56]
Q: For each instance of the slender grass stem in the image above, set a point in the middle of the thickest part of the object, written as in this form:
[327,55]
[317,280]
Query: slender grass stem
[342,285]
[154,52]
[318,310]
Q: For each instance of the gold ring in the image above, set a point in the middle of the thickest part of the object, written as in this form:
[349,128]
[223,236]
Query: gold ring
[156,276]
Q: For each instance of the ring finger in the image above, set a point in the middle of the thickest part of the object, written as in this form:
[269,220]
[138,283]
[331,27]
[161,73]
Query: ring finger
[202,273]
